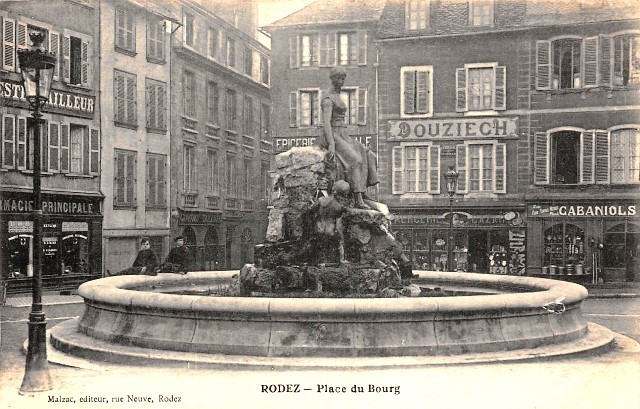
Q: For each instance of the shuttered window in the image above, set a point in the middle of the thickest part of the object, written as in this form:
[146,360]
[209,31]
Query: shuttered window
[213,174]
[155,39]
[309,108]
[416,169]
[481,87]
[587,157]
[416,87]
[124,189]
[94,151]
[350,98]
[362,106]
[9,44]
[125,103]
[481,168]
[21,143]
[125,30]
[76,148]
[347,49]
[25,139]
[156,181]
[570,63]
[64,148]
[156,105]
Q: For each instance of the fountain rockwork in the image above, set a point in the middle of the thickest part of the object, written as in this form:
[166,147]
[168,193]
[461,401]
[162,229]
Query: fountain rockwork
[318,242]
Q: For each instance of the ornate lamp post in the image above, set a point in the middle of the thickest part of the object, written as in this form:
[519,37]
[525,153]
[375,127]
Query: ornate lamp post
[37,67]
[452,183]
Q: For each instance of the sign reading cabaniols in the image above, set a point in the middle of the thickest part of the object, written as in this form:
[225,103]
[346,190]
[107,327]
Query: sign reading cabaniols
[582,210]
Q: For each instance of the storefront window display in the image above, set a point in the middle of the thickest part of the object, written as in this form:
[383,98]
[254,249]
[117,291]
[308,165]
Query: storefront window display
[564,249]
[621,250]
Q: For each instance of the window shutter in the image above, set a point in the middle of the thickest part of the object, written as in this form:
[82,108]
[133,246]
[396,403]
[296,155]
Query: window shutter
[461,89]
[44,146]
[151,106]
[8,141]
[54,46]
[94,151]
[602,174]
[587,155]
[21,143]
[409,91]
[118,93]
[543,64]
[331,49]
[362,48]
[590,47]
[256,118]
[54,146]
[293,52]
[131,99]
[293,109]
[434,169]
[461,168]
[605,61]
[500,168]
[362,106]
[162,183]
[66,59]
[397,182]
[84,54]
[500,102]
[151,181]
[131,178]
[21,40]
[118,179]
[541,160]
[64,148]
[324,52]
[161,106]
[422,91]
[86,152]
[9,45]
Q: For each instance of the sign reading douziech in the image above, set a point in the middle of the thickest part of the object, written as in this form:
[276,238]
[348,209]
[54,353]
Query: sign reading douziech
[454,128]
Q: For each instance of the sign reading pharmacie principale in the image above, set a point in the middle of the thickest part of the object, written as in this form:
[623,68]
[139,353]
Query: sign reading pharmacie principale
[20,202]
[64,102]
[454,128]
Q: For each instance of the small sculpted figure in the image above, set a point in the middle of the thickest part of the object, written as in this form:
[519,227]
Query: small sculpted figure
[329,211]
[356,163]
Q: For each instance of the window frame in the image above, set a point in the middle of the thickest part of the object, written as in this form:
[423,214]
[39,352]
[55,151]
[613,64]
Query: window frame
[418,12]
[189,105]
[403,102]
[232,119]
[213,171]
[478,5]
[399,169]
[127,201]
[318,111]
[159,161]
[231,52]
[158,42]
[462,162]
[351,48]
[499,89]
[596,60]
[129,17]
[213,42]
[189,168]
[213,103]
[614,38]
[154,122]
[189,31]
[312,58]
[130,107]
[626,165]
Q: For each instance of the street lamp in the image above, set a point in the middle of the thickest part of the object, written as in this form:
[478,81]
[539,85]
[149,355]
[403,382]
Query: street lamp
[451,176]
[37,67]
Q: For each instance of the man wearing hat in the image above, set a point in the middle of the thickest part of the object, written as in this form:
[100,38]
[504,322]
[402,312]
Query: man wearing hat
[179,256]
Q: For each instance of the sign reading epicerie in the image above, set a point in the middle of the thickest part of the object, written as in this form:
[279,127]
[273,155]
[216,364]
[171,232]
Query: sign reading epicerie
[582,210]
[455,128]
[59,101]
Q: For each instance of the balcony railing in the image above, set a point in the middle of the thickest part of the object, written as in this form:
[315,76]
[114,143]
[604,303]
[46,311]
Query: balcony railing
[189,199]
[212,202]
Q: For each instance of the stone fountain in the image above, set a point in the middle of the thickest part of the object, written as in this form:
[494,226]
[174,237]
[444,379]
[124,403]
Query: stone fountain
[346,291]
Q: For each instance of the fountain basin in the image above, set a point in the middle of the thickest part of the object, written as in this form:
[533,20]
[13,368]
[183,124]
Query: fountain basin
[137,311]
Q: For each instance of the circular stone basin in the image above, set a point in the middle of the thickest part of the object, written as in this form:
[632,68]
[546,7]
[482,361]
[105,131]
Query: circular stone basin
[507,314]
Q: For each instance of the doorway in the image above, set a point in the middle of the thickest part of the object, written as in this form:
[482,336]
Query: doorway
[478,250]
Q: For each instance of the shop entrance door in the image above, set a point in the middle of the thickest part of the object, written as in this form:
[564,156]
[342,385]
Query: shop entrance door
[478,250]
[621,253]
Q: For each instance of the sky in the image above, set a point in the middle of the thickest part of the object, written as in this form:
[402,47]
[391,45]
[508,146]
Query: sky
[273,10]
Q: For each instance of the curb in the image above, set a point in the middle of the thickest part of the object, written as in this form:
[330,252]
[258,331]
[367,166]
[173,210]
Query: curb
[613,295]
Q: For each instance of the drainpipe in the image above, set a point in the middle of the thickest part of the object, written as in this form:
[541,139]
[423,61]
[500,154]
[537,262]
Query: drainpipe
[376,66]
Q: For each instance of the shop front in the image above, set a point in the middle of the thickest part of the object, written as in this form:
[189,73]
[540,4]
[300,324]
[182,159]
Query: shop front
[72,240]
[220,241]
[484,242]
[585,241]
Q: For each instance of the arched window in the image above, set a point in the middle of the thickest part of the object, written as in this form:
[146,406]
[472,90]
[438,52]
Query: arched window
[564,248]
[213,251]
[625,156]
